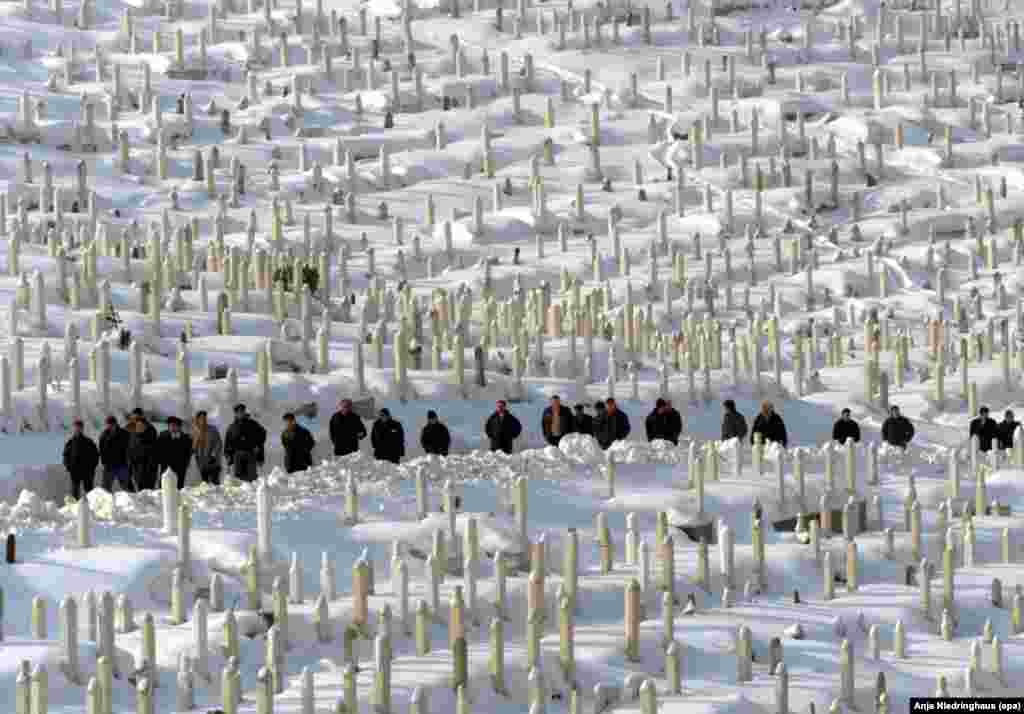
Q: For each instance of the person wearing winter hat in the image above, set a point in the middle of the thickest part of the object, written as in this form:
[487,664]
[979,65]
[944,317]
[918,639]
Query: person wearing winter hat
[435,438]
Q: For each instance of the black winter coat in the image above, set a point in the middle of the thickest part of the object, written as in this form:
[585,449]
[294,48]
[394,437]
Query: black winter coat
[388,440]
[435,439]
[245,435]
[609,428]
[667,426]
[114,447]
[771,428]
[897,431]
[568,424]
[584,424]
[298,449]
[846,429]
[986,432]
[503,431]
[347,431]
[675,425]
[1006,430]
[81,456]
[173,453]
[142,446]
[734,426]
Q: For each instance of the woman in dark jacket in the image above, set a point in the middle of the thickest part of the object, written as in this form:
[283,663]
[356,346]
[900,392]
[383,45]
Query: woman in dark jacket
[298,445]
[435,438]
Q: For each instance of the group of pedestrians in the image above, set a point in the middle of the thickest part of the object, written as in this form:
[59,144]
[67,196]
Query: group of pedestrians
[134,456]
[991,433]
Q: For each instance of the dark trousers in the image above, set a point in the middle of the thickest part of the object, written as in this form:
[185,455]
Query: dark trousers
[244,464]
[211,475]
[142,475]
[181,477]
[81,480]
[116,474]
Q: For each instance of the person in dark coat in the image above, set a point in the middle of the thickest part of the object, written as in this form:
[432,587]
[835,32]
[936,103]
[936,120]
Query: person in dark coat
[655,423]
[583,422]
[174,451]
[387,438]
[1006,429]
[984,427]
[347,429]
[769,425]
[114,455]
[435,438]
[614,427]
[600,417]
[298,445]
[243,445]
[734,424]
[846,428]
[664,423]
[897,430]
[674,421]
[81,457]
[502,428]
[141,452]
[557,421]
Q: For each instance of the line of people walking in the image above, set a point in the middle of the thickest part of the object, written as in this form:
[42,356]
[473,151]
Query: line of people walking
[135,456]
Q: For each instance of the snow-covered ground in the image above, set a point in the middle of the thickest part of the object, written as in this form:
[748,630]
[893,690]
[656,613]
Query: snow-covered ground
[740,200]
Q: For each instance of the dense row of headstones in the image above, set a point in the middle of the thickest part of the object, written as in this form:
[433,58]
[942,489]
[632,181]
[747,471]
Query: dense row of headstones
[531,319]
[454,555]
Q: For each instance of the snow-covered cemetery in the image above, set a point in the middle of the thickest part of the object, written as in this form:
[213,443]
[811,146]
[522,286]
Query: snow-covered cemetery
[511,356]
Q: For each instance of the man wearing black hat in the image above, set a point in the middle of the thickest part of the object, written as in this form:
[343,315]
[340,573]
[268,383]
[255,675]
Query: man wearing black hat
[387,438]
[174,451]
[556,421]
[243,445]
[435,438]
[80,459]
[141,451]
